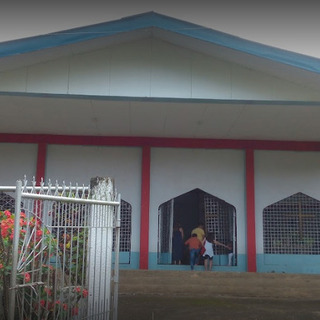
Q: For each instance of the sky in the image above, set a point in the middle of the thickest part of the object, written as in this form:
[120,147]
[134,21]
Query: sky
[290,25]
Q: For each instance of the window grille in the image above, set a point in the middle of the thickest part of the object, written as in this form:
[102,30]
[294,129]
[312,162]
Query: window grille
[6,202]
[165,232]
[219,220]
[125,227]
[292,226]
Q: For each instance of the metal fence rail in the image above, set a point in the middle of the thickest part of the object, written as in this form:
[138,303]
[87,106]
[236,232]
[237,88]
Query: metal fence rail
[62,252]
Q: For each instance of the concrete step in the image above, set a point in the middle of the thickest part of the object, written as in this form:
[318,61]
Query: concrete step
[233,284]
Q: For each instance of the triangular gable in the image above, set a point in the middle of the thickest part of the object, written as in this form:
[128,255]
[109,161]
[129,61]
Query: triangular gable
[155,20]
[170,71]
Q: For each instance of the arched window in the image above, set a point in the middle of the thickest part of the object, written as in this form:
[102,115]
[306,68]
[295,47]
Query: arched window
[218,216]
[292,226]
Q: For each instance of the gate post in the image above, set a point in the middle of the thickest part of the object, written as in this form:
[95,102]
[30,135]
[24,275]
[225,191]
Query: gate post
[15,247]
[100,249]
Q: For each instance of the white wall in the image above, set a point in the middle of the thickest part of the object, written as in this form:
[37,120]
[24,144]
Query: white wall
[218,172]
[78,164]
[16,161]
[280,174]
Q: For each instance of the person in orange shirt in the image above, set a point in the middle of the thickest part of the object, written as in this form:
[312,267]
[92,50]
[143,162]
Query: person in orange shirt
[199,230]
[194,245]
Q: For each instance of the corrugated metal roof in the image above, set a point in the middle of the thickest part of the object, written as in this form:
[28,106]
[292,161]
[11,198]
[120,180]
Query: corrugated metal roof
[154,20]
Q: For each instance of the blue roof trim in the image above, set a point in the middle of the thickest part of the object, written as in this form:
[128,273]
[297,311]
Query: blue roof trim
[153,19]
[161,99]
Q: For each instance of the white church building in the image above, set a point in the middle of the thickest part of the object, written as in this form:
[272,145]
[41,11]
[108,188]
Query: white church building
[194,125]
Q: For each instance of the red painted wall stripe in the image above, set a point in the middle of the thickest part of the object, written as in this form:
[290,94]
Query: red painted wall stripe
[162,142]
[41,162]
[145,206]
[251,221]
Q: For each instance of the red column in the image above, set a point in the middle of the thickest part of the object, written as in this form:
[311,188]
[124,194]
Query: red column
[41,168]
[251,225]
[145,205]
[41,162]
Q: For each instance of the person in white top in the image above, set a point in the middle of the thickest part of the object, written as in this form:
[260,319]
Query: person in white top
[208,243]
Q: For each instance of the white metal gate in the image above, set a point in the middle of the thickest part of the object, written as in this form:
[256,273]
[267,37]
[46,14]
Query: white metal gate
[62,252]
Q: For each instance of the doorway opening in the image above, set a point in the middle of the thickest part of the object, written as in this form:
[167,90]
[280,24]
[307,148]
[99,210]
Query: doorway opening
[190,209]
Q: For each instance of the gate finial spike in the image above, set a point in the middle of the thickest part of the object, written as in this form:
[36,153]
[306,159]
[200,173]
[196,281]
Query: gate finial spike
[41,186]
[89,192]
[77,191]
[83,192]
[63,188]
[33,185]
[49,187]
[70,190]
[25,182]
[56,192]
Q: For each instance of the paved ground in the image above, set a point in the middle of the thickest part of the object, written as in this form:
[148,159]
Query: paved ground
[142,307]
[177,295]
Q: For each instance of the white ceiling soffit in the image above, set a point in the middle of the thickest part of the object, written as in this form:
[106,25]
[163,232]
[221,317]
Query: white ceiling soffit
[210,120]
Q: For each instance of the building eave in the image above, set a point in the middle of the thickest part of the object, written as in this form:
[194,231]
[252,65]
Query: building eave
[149,20]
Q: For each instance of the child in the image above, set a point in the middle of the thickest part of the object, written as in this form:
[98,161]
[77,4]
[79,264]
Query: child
[208,254]
[194,245]
[209,241]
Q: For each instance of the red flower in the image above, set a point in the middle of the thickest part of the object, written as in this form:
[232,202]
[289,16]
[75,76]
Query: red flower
[48,291]
[77,289]
[27,277]
[7,213]
[39,233]
[4,230]
[22,222]
[75,311]
[65,306]
[85,293]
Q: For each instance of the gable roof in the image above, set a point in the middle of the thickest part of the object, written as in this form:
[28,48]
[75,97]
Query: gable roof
[153,20]
[147,117]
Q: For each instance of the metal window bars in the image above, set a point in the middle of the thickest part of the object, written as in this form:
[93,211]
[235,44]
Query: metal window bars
[292,225]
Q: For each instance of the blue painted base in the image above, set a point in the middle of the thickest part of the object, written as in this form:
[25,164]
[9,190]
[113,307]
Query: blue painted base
[300,264]
[288,263]
[241,267]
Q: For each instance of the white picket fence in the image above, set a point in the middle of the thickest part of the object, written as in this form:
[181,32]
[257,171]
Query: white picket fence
[63,263]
